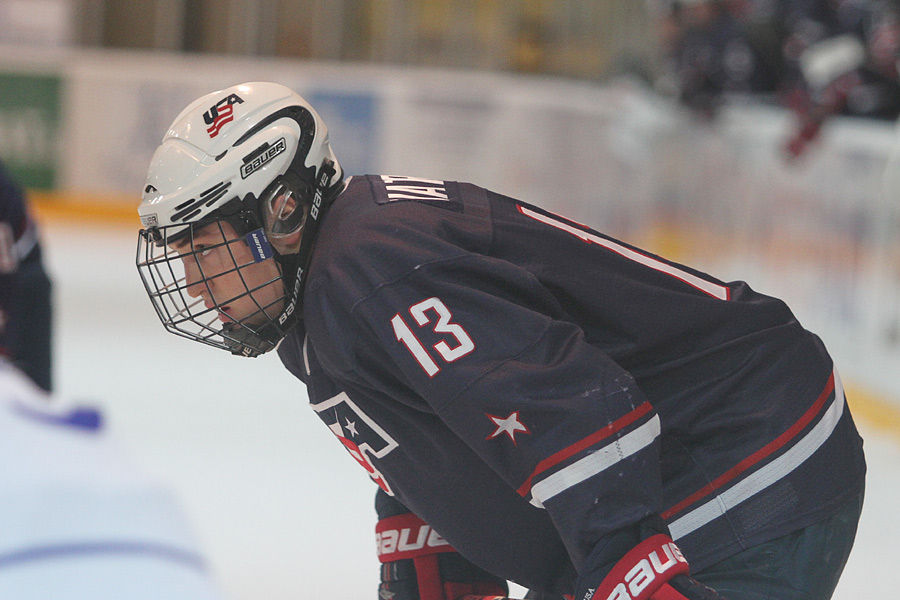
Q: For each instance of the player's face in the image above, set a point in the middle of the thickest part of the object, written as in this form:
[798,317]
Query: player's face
[220,269]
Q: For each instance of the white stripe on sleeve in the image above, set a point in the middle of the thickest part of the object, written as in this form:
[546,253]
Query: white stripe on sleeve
[596,462]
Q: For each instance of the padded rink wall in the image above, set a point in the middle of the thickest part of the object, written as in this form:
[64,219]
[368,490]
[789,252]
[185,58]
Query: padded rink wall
[820,232]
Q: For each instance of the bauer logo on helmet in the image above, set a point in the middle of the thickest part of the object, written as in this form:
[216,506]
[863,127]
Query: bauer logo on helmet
[264,154]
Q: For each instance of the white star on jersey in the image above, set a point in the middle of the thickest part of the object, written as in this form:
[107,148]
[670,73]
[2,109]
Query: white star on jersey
[510,425]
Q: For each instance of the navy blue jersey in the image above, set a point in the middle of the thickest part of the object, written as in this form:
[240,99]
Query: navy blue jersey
[528,386]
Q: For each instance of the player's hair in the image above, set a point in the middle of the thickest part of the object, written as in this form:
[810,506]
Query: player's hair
[256,156]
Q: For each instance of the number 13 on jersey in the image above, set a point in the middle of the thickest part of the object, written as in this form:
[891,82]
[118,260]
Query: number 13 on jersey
[434,312]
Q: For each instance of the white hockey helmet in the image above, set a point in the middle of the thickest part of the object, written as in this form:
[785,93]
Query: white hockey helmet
[230,144]
[236,155]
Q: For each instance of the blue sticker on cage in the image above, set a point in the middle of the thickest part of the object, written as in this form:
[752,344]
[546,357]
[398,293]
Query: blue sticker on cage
[259,245]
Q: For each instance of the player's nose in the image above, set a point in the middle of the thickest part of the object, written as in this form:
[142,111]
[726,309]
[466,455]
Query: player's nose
[193,279]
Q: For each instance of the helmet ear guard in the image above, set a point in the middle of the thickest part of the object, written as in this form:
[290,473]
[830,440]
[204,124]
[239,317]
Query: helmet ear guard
[284,208]
[285,212]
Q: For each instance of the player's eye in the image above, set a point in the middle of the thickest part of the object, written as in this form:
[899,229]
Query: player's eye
[201,250]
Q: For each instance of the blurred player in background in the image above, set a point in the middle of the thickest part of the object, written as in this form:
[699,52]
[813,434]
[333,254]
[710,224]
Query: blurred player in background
[817,58]
[536,401]
[25,291]
[711,52]
[79,519]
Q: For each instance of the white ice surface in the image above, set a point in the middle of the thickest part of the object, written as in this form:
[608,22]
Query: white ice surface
[283,512]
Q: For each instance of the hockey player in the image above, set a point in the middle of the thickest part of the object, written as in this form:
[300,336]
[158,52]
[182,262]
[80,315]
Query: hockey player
[560,408]
[25,290]
[79,519]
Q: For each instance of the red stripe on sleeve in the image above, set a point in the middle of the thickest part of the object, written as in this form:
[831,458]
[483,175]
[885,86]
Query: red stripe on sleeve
[757,456]
[587,442]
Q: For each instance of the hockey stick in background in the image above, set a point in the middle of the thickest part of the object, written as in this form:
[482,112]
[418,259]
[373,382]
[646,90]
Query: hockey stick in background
[830,70]
[812,117]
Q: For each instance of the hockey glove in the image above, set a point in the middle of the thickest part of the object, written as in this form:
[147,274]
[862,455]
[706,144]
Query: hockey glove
[654,569]
[418,564]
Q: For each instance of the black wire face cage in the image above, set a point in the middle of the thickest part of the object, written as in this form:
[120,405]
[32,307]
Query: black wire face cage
[215,285]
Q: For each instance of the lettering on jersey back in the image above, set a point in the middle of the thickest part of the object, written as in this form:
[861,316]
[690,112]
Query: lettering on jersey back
[428,191]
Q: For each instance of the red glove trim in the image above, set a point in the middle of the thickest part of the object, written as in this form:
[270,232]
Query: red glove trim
[407,536]
[428,578]
[645,569]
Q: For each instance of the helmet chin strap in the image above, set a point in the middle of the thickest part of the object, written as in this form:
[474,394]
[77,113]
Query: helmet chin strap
[295,266]
[251,342]
[243,341]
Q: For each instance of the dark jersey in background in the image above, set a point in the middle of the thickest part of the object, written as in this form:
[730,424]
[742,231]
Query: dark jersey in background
[25,301]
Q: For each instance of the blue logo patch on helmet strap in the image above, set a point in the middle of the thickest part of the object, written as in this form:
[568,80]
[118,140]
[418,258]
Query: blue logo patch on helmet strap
[259,245]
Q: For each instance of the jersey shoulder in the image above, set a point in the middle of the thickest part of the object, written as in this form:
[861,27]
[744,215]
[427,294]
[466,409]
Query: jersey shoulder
[383,227]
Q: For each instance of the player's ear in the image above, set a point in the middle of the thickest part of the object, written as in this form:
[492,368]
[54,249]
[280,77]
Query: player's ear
[288,244]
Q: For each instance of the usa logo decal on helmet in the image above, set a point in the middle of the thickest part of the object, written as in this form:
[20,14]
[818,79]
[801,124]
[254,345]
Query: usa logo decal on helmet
[220,114]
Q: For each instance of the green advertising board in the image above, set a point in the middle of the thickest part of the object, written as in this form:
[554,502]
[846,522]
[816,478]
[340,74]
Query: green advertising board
[29,127]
